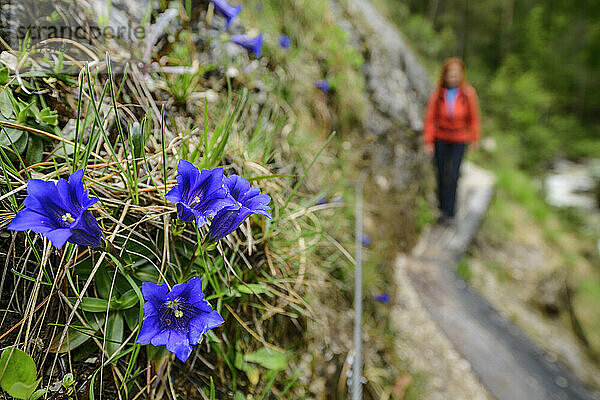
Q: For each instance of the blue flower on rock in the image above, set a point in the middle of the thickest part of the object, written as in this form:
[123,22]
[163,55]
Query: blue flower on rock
[285,41]
[199,195]
[322,85]
[59,212]
[253,44]
[176,319]
[250,201]
[226,10]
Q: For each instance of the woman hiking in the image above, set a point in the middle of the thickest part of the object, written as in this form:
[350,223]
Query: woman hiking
[452,122]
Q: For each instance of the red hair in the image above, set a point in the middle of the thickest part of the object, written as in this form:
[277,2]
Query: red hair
[446,66]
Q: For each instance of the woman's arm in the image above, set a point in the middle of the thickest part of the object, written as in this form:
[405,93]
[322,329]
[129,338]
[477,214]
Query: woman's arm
[475,116]
[430,122]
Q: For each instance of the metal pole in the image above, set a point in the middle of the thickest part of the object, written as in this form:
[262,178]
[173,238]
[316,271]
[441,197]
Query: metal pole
[357,364]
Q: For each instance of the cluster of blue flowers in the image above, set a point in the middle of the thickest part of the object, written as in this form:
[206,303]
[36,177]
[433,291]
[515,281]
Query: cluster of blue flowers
[254,43]
[177,319]
[250,43]
[205,194]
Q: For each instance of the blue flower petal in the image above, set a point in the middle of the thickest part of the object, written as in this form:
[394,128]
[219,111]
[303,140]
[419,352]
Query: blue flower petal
[284,41]
[253,44]
[58,237]
[30,220]
[150,328]
[73,194]
[202,323]
[237,186]
[154,292]
[174,195]
[251,201]
[187,178]
[200,219]
[150,309]
[161,338]
[185,213]
[195,295]
[179,345]
[43,198]
[179,290]
[227,221]
[86,231]
[212,207]
[210,186]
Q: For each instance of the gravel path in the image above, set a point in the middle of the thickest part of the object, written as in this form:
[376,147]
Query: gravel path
[507,362]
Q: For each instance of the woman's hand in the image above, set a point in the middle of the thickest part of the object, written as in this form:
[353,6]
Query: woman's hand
[429,150]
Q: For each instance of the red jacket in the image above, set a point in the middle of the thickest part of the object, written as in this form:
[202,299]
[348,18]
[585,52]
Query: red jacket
[462,127]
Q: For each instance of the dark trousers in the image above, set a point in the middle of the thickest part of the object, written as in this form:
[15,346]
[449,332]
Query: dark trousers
[448,157]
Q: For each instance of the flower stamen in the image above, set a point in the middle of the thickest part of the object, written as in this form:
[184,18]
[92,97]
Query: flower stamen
[68,218]
[195,201]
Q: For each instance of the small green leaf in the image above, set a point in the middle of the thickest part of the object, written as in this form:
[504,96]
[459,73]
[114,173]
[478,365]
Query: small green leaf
[253,374]
[74,339]
[103,282]
[114,332]
[254,288]
[48,116]
[4,75]
[24,111]
[35,150]
[91,304]
[19,375]
[270,359]
[37,394]
[16,137]
[131,316]
[6,107]
[128,300]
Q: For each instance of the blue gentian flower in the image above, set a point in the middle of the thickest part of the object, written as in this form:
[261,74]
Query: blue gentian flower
[383,298]
[59,212]
[322,85]
[366,241]
[226,10]
[253,44]
[250,201]
[199,194]
[285,41]
[176,319]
